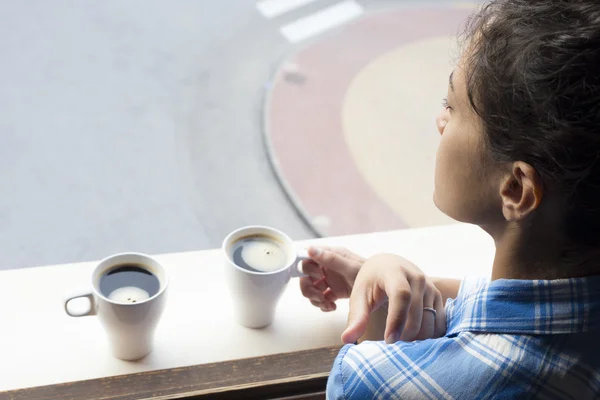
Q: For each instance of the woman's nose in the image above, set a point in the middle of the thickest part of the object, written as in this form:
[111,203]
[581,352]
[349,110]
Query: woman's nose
[441,121]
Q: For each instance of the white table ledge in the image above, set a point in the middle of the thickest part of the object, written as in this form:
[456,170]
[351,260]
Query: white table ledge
[41,345]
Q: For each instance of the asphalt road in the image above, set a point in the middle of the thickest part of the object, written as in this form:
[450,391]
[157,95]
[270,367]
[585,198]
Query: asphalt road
[136,126]
[133,126]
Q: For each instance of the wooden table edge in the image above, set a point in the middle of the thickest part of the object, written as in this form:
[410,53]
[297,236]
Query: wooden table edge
[297,375]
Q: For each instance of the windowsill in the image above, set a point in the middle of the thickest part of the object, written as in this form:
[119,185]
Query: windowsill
[298,375]
[40,345]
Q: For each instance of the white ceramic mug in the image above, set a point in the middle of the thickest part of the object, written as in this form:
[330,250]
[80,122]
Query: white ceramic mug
[255,294]
[129,326]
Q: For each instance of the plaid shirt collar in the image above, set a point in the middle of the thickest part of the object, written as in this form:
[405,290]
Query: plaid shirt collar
[538,307]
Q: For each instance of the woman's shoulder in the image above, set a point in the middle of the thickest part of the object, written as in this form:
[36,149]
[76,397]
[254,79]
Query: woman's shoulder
[469,363]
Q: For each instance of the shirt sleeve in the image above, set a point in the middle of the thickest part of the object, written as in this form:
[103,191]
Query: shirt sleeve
[376,370]
[335,382]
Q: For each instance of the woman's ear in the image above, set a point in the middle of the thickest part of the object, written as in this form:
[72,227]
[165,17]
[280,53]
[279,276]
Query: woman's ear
[521,191]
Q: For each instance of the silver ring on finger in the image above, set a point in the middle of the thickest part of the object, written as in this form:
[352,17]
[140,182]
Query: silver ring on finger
[430,309]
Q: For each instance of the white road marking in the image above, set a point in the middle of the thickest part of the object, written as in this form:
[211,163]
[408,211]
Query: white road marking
[321,21]
[274,8]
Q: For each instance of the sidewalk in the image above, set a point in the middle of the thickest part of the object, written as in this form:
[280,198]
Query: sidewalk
[350,120]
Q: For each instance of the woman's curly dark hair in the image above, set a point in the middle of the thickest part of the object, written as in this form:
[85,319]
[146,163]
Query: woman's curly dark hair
[533,77]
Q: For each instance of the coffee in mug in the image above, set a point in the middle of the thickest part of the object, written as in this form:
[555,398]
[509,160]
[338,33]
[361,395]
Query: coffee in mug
[259,253]
[129,283]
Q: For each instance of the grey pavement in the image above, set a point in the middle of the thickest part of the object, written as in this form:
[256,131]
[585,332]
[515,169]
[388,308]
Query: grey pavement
[132,126]
[135,126]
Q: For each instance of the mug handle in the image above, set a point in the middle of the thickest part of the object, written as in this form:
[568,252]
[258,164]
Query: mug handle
[297,272]
[77,295]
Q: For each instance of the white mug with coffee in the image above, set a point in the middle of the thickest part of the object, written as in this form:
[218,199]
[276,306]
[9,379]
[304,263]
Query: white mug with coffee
[260,261]
[128,295]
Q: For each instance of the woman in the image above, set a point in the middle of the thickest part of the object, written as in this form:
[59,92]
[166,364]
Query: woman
[518,156]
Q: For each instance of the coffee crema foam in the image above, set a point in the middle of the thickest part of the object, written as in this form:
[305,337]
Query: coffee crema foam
[259,253]
[128,294]
[129,284]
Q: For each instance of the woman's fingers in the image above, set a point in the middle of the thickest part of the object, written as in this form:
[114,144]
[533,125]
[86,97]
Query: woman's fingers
[411,299]
[428,321]
[317,296]
[310,291]
[324,306]
[320,284]
[440,320]
[418,287]
[328,259]
[312,269]
[400,297]
[340,250]
[329,295]
[358,315]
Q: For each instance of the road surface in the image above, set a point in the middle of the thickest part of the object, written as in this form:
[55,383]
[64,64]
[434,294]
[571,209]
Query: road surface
[137,126]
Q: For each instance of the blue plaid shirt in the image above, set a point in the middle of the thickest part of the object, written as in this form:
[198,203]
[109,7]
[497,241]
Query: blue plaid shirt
[506,339]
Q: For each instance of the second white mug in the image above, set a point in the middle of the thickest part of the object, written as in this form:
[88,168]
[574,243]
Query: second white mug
[255,293]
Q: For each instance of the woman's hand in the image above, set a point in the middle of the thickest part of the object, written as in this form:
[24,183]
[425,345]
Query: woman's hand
[331,274]
[389,278]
